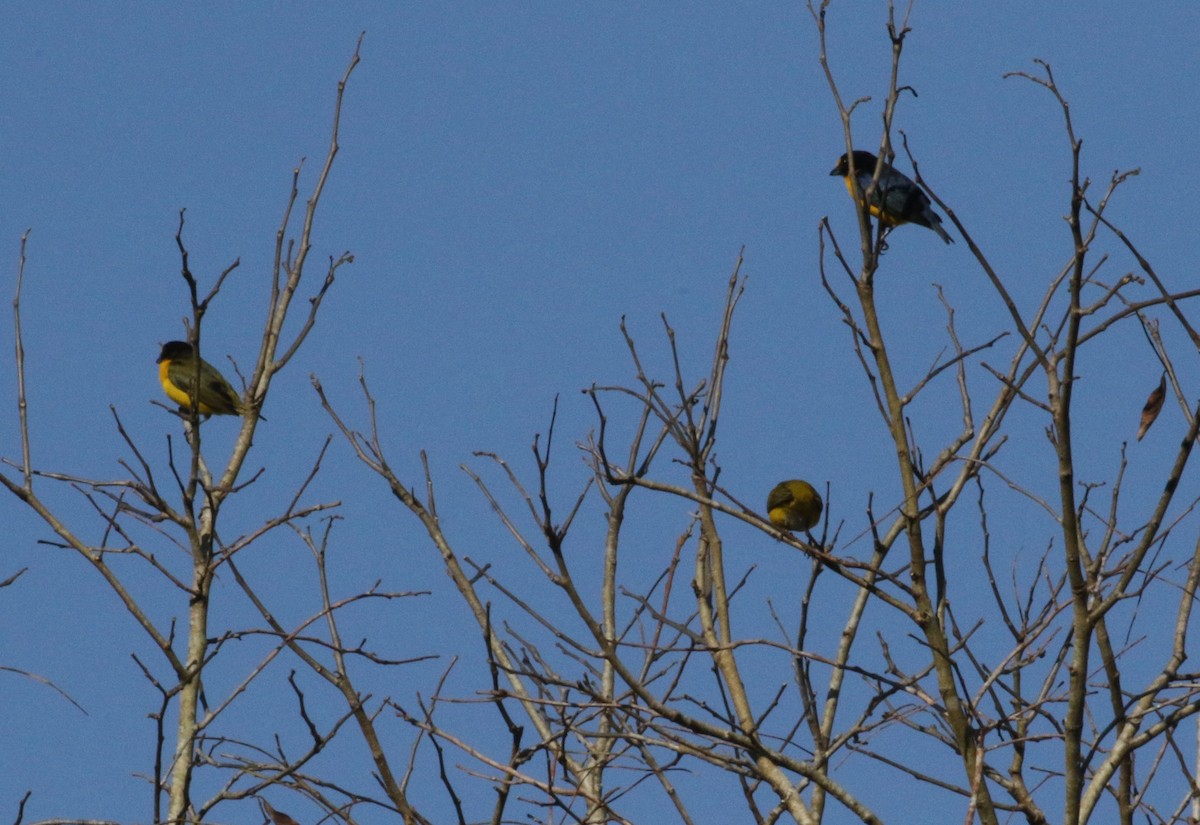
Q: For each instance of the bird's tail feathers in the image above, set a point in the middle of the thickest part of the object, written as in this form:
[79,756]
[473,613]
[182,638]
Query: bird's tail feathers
[936,226]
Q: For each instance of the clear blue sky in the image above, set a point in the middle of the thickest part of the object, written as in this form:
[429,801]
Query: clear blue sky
[513,179]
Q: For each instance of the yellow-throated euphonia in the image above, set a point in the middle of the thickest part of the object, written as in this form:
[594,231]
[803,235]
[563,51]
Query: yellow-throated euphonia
[896,199]
[177,372]
[794,505]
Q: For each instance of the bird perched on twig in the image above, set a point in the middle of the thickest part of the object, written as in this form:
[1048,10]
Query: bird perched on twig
[895,200]
[794,505]
[177,372]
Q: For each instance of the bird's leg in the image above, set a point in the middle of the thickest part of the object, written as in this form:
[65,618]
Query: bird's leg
[883,236]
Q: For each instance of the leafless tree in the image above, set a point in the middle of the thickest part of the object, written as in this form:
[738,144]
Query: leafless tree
[625,679]
[167,519]
[1042,718]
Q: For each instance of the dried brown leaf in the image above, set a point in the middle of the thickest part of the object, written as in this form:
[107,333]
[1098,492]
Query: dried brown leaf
[1154,405]
[277,817]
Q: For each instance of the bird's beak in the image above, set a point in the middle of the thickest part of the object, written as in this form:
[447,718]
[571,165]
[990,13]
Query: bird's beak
[836,171]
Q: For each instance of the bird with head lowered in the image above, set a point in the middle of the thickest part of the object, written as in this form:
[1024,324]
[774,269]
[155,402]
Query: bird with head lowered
[794,505]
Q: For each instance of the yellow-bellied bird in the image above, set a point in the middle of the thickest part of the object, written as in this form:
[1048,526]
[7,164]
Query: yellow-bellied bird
[177,372]
[896,199]
[794,505]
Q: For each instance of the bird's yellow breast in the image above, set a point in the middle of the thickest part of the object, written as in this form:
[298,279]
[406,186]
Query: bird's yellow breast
[779,517]
[175,393]
[886,218]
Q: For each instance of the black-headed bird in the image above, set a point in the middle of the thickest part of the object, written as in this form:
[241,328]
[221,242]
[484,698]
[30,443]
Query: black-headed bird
[896,199]
[794,505]
[177,372]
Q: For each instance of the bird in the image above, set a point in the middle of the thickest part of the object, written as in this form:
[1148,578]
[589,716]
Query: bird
[177,372]
[794,505]
[896,199]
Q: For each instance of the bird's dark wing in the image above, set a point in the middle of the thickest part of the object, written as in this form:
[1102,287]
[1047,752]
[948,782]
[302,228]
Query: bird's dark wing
[781,496]
[894,193]
[217,394]
[183,375]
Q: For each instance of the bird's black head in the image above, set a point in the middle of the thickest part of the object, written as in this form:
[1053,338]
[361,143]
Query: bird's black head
[863,162]
[175,351]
